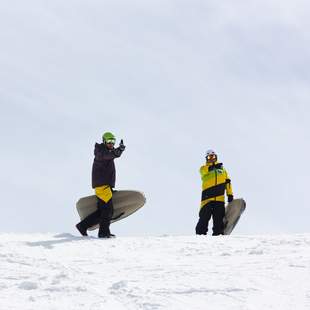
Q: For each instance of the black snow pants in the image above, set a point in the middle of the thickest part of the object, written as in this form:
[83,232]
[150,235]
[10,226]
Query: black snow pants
[101,216]
[216,209]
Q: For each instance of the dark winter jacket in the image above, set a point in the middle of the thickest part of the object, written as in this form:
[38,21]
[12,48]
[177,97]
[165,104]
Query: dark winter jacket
[103,172]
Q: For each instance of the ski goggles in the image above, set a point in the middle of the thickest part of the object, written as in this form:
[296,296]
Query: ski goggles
[211,157]
[110,141]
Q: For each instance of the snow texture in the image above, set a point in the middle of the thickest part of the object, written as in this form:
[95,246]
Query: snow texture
[46,271]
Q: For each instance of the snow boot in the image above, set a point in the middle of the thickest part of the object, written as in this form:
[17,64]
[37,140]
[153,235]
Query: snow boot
[81,229]
[106,236]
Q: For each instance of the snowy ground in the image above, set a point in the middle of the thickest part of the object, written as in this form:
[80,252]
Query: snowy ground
[47,271]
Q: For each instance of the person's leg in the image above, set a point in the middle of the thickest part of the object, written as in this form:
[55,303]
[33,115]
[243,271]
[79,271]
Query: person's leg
[105,205]
[110,215]
[106,211]
[203,222]
[218,216]
[89,221]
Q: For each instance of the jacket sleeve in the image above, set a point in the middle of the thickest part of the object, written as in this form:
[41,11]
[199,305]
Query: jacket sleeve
[202,172]
[229,190]
[104,154]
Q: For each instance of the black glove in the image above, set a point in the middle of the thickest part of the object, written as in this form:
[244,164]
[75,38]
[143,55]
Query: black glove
[230,198]
[122,146]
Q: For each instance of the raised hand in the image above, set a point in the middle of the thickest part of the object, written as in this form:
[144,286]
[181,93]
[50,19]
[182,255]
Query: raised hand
[122,146]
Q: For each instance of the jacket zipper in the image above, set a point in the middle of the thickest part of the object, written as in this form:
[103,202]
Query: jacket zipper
[215,180]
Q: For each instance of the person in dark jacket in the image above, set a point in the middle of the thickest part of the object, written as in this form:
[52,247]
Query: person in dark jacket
[215,182]
[103,182]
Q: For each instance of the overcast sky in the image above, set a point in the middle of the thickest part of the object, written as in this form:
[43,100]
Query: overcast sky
[171,78]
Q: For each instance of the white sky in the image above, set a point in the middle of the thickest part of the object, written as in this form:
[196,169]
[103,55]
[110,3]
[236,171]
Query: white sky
[173,79]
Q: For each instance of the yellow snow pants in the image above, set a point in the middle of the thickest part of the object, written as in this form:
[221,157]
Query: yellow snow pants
[104,193]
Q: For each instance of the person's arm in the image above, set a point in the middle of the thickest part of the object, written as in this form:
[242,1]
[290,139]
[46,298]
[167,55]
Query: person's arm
[229,191]
[105,154]
[203,171]
[121,148]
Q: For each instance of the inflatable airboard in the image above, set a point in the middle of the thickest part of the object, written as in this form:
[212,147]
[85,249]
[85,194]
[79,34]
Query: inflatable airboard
[232,215]
[125,203]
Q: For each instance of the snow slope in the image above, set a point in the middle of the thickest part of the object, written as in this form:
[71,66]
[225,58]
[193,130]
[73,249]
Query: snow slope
[47,271]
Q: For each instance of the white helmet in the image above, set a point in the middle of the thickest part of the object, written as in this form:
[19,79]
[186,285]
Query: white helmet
[209,152]
[211,156]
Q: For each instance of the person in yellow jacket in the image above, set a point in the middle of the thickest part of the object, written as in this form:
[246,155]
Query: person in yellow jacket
[215,182]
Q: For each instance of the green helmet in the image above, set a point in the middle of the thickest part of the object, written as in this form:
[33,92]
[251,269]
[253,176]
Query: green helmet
[108,136]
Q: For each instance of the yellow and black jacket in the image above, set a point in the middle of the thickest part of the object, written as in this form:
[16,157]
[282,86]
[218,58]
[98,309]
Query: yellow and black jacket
[215,181]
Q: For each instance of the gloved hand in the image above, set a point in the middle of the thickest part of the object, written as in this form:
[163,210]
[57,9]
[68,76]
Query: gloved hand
[122,146]
[230,198]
